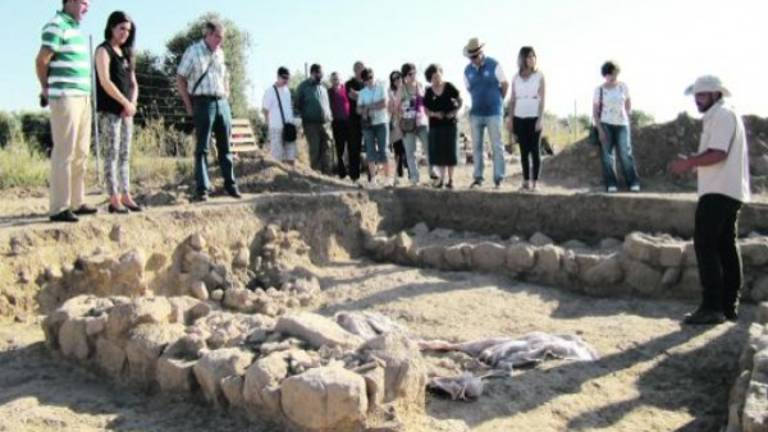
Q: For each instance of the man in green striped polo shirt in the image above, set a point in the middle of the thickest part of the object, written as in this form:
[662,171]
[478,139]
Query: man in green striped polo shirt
[64,72]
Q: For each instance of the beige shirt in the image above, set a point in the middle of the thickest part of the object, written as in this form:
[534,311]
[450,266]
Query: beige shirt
[724,131]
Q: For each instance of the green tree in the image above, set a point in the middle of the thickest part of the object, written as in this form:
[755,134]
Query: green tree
[640,118]
[158,98]
[235,46]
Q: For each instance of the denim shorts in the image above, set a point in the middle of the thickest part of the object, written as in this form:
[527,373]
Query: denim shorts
[376,139]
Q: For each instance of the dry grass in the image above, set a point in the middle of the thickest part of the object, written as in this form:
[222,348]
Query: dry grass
[22,166]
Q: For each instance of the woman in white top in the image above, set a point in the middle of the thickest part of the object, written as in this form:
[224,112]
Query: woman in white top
[526,109]
[611,109]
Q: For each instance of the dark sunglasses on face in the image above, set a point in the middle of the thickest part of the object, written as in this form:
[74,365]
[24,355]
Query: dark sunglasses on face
[474,56]
[285,77]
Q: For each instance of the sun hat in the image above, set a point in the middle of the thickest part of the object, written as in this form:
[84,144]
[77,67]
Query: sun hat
[474,46]
[707,84]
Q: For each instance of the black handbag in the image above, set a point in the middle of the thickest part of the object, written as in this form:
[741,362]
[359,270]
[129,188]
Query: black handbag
[289,129]
[594,134]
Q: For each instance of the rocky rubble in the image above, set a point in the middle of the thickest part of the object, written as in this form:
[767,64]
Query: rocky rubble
[303,370]
[271,276]
[748,404]
[651,266]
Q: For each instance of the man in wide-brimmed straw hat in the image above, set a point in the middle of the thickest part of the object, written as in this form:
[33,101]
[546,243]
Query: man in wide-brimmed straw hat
[722,167]
[487,84]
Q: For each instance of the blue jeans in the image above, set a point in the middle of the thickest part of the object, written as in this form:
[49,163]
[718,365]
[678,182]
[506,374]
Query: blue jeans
[212,115]
[479,124]
[409,140]
[376,139]
[620,141]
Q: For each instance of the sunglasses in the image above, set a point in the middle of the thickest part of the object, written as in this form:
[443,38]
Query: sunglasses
[474,56]
[285,77]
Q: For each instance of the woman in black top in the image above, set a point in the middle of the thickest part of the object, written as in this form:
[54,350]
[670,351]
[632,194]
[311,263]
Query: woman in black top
[442,102]
[116,95]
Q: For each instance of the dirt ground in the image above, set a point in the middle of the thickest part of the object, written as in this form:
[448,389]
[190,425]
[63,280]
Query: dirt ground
[644,381]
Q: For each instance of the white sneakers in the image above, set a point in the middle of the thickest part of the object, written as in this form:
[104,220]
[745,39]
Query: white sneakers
[612,189]
[635,188]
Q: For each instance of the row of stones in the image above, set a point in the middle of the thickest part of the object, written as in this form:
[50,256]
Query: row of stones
[644,265]
[301,370]
[748,403]
[195,269]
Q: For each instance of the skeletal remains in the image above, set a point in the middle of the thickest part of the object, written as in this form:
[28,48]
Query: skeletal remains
[500,354]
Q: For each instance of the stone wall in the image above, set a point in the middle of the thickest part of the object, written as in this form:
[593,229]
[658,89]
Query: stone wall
[561,216]
[643,265]
[301,371]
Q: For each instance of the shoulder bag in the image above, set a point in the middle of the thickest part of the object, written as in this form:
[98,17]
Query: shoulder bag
[289,129]
[594,134]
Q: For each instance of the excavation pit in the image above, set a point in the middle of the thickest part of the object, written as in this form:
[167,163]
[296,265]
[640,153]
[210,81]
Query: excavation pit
[330,248]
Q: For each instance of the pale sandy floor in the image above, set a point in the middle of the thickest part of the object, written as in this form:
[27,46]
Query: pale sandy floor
[654,375]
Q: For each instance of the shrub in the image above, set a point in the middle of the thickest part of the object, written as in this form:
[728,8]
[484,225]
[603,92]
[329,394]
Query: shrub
[9,128]
[36,128]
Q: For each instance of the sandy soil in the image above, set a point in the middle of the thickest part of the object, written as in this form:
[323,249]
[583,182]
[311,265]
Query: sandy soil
[644,381]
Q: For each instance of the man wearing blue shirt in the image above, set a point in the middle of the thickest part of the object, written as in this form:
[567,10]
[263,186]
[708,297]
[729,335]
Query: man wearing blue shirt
[487,85]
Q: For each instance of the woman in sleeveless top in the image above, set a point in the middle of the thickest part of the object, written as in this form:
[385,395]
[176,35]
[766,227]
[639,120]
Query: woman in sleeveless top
[117,93]
[526,109]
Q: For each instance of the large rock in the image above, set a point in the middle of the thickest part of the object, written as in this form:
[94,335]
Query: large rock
[642,277]
[261,387]
[671,254]
[176,375]
[145,344]
[549,262]
[73,339]
[110,357]
[216,365]
[232,388]
[755,251]
[458,257]
[759,291]
[405,375]
[608,272]
[489,256]
[76,307]
[539,239]
[587,261]
[521,257]
[328,398]
[405,250]
[143,310]
[641,247]
[317,330]
[432,256]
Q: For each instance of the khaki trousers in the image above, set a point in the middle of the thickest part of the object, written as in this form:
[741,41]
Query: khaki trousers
[71,129]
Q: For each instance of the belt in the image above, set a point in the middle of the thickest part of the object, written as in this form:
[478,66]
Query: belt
[207,97]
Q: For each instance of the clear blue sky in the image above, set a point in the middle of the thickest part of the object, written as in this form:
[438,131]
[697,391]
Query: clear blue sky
[662,45]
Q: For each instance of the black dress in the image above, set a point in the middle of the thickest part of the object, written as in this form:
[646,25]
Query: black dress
[443,133]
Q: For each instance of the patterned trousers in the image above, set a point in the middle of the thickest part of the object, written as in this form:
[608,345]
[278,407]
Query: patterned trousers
[115,134]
